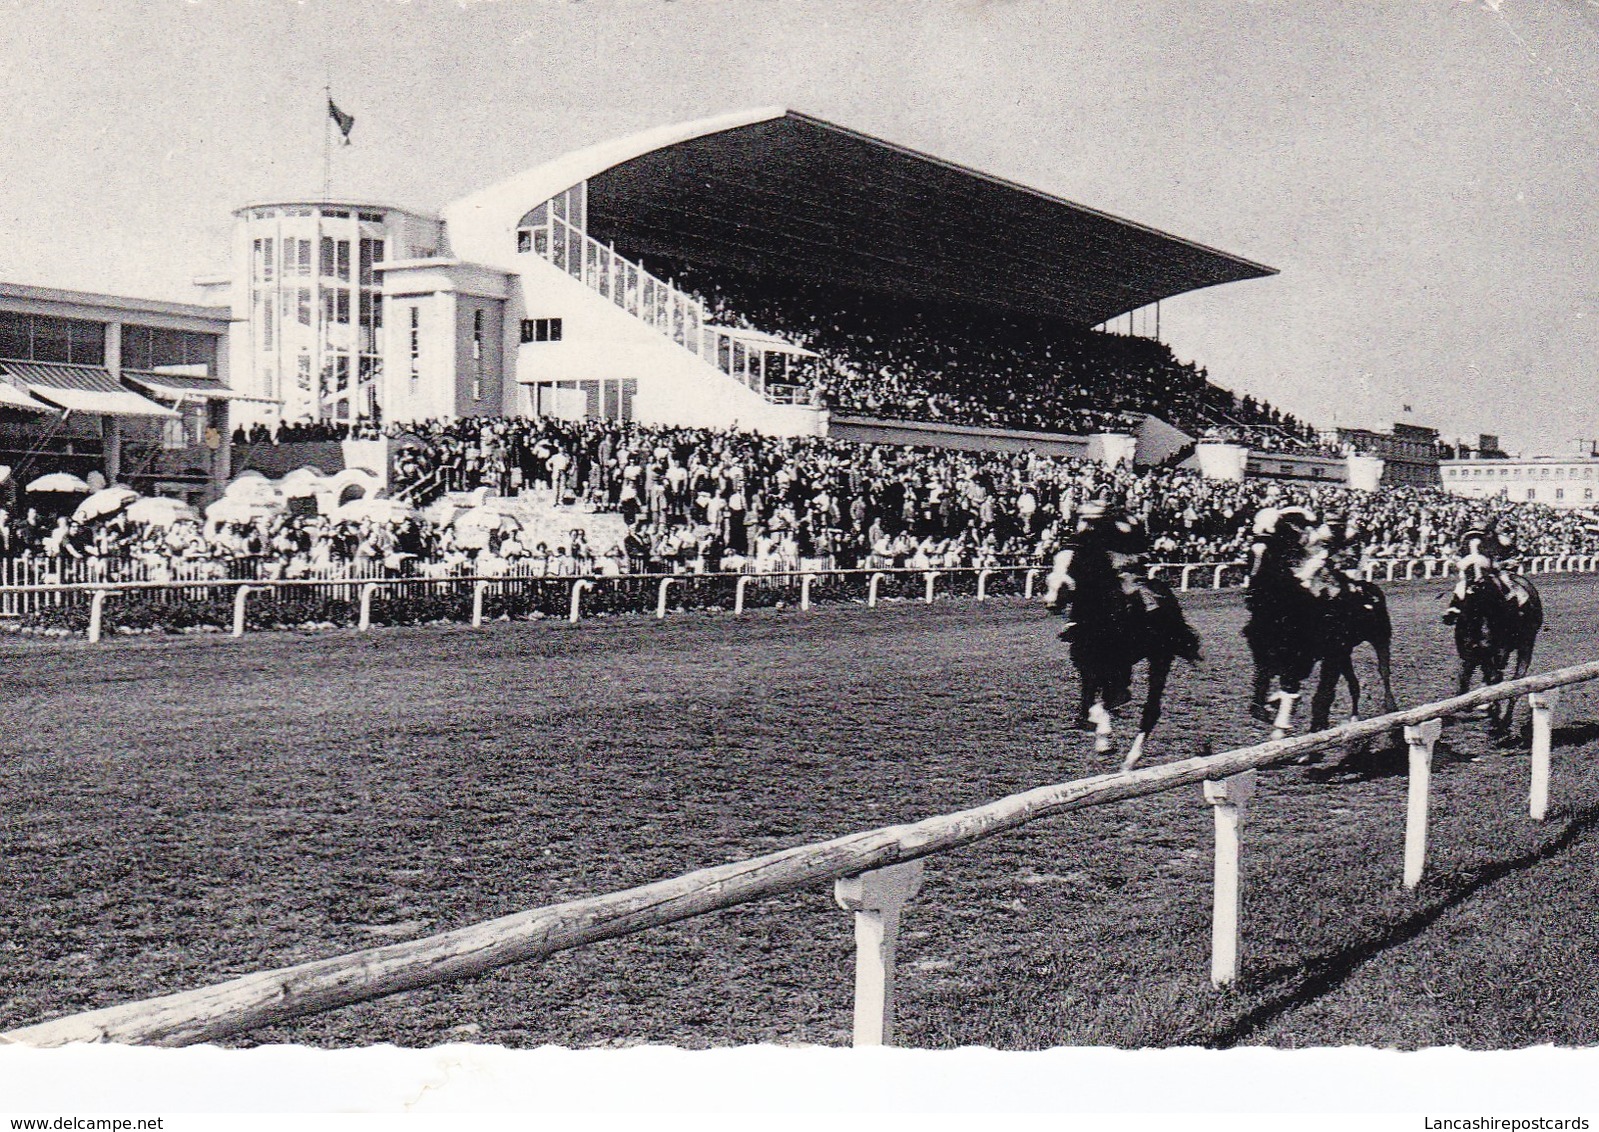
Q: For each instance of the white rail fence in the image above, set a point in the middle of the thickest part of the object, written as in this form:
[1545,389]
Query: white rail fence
[874,874]
[362,584]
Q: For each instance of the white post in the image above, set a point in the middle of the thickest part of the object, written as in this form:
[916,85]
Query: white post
[240,596]
[1392,564]
[1369,571]
[578,587]
[805,590]
[365,622]
[931,576]
[1427,565]
[876,898]
[871,591]
[1215,579]
[1410,569]
[478,589]
[1188,573]
[1420,739]
[660,601]
[1027,586]
[1228,798]
[1543,722]
[982,584]
[738,594]
[96,614]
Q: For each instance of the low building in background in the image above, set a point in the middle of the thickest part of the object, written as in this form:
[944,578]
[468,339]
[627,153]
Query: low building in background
[113,389]
[1559,481]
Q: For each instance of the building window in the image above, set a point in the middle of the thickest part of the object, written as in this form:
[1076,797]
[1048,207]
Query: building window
[541,330]
[372,218]
[1532,493]
[303,266]
[416,343]
[371,252]
[1560,493]
[303,308]
[268,260]
[477,335]
[524,240]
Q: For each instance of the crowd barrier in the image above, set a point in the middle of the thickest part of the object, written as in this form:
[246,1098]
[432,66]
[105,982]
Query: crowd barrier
[349,596]
[874,874]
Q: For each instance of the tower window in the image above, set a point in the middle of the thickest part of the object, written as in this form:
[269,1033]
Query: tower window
[541,330]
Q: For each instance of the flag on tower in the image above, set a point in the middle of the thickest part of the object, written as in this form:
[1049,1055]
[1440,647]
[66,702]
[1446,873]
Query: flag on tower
[343,120]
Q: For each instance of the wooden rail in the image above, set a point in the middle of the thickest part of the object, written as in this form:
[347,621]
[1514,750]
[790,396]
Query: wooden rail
[875,856]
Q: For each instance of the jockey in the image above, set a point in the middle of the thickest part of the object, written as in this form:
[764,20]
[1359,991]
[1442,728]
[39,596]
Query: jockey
[1485,548]
[1124,543]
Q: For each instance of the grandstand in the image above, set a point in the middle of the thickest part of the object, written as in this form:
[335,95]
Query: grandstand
[770,270]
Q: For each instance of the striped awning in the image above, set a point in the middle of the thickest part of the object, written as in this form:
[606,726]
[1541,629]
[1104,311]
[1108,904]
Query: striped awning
[179,387]
[12,397]
[82,389]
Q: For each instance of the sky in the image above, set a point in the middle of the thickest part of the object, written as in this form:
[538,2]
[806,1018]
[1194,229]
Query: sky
[1421,172]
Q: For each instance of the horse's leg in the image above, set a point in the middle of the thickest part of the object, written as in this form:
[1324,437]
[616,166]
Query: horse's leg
[1257,698]
[1104,736]
[1087,693]
[1159,670]
[1385,673]
[1326,689]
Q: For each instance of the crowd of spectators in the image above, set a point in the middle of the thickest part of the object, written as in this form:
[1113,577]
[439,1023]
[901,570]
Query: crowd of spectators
[704,500]
[884,358]
[302,432]
[727,497]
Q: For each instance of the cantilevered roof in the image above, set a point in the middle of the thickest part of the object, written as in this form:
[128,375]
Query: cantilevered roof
[82,389]
[777,193]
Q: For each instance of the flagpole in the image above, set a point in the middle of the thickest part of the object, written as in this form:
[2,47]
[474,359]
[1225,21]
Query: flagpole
[327,143]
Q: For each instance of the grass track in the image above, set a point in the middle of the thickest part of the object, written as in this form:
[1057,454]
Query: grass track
[181,811]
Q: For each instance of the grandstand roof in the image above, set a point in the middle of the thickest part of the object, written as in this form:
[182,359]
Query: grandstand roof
[785,194]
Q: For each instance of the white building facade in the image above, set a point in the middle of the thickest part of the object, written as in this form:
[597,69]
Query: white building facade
[1552,480]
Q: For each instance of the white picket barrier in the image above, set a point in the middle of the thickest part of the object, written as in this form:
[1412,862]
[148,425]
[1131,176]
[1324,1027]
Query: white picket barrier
[874,874]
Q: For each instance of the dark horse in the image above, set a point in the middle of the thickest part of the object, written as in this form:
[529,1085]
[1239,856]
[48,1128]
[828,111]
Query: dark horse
[1294,628]
[1112,631]
[1491,625]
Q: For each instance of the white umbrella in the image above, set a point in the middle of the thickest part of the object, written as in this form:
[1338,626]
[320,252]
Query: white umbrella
[378,510]
[231,510]
[302,481]
[60,481]
[481,518]
[103,504]
[441,512]
[254,490]
[159,511]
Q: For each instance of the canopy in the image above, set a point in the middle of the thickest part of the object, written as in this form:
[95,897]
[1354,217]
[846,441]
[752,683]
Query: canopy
[60,481]
[173,387]
[13,398]
[82,389]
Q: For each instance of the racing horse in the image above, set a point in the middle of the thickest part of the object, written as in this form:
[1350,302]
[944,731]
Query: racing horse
[1111,631]
[1495,620]
[1303,618]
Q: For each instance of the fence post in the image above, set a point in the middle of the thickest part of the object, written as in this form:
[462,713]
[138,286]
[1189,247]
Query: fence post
[1188,573]
[1427,565]
[1370,571]
[365,623]
[478,589]
[1228,799]
[876,898]
[1543,720]
[577,599]
[1027,587]
[1420,739]
[738,594]
[1393,564]
[931,576]
[660,601]
[982,584]
[239,597]
[1215,579]
[1410,569]
[871,591]
[805,590]
[97,614]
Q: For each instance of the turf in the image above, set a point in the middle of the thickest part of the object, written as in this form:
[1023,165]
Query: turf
[181,811]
